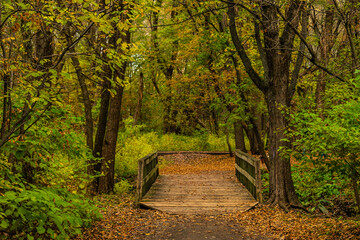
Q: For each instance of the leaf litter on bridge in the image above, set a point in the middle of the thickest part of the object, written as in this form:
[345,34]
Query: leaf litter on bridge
[123,221]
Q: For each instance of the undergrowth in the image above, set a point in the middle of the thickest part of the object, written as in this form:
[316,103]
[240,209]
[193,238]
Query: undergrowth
[43,179]
[319,190]
[135,143]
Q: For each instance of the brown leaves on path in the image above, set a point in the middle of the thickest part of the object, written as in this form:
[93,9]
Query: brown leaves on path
[195,163]
[276,223]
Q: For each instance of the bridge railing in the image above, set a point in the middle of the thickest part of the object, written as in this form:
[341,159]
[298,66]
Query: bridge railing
[148,171]
[247,170]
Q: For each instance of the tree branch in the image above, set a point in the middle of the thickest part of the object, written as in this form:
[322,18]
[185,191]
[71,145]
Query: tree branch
[300,57]
[241,50]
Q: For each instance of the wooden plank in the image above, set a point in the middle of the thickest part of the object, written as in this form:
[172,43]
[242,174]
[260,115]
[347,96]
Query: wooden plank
[196,204]
[222,194]
[139,181]
[153,171]
[145,180]
[255,180]
[150,158]
[162,153]
[246,157]
[246,174]
[203,210]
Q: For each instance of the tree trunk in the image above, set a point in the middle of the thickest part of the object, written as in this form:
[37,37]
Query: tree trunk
[6,106]
[85,97]
[140,98]
[282,191]
[276,86]
[239,136]
[325,48]
[228,141]
[106,180]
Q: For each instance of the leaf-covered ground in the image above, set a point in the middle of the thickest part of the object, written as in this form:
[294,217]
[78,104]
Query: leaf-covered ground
[123,221]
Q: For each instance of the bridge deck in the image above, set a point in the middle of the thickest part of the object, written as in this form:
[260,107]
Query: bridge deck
[211,193]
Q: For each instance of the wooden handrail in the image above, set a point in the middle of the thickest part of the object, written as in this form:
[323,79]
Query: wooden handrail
[247,170]
[148,171]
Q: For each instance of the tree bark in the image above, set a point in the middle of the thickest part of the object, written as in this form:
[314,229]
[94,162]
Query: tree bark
[106,180]
[239,136]
[276,84]
[325,48]
[169,119]
[140,98]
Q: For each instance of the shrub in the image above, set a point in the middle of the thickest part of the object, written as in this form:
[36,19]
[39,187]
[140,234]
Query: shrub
[122,187]
[44,213]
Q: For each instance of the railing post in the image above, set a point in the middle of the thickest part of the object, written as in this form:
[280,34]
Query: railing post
[140,181]
[258,182]
[148,171]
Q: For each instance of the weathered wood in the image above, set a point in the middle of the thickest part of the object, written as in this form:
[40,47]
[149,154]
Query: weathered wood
[148,171]
[213,193]
[248,172]
[162,153]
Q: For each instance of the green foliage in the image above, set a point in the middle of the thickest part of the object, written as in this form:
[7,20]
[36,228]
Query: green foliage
[317,186]
[331,146]
[45,212]
[29,211]
[52,153]
[122,187]
[135,144]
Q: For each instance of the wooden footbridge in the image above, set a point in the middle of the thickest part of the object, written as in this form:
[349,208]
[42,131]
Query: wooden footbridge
[217,192]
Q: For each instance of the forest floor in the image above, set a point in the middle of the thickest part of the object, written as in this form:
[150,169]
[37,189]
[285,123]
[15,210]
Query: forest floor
[121,220]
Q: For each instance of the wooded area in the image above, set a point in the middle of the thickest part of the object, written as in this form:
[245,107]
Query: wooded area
[91,86]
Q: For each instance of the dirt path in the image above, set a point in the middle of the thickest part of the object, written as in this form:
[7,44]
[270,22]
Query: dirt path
[201,227]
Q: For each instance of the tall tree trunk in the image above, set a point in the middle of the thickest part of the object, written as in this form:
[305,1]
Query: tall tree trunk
[277,87]
[282,191]
[106,180]
[85,97]
[169,119]
[140,98]
[325,48]
[6,106]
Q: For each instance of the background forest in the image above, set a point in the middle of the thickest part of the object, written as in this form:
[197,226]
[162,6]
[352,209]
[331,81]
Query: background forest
[89,87]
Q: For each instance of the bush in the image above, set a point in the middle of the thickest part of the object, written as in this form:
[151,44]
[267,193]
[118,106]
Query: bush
[46,213]
[122,187]
[316,186]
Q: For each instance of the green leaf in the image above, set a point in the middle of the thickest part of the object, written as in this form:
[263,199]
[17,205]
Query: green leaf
[40,230]
[9,212]
[19,154]
[51,233]
[29,237]
[11,195]
[66,75]
[4,224]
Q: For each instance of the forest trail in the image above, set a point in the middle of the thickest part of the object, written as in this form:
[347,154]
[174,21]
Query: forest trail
[122,220]
[202,178]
